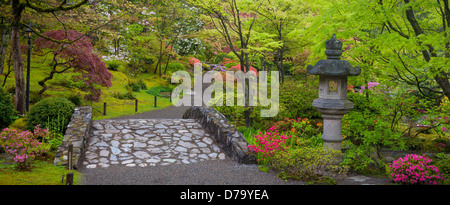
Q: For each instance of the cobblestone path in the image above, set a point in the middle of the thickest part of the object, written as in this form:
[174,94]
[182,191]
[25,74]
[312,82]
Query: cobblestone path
[149,142]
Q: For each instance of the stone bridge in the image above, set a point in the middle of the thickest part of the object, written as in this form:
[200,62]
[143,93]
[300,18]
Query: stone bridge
[202,134]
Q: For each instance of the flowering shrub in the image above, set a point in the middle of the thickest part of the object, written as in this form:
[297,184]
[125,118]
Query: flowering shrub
[266,144]
[24,146]
[414,169]
[238,68]
[226,61]
[284,135]
[193,61]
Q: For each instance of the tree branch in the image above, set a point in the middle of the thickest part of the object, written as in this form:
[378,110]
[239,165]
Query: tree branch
[53,9]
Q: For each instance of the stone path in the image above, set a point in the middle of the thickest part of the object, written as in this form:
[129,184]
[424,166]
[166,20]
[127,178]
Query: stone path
[149,142]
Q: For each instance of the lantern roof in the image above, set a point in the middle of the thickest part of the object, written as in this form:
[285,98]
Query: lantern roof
[333,65]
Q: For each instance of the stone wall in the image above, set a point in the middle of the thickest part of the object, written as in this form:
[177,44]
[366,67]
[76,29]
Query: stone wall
[225,134]
[77,133]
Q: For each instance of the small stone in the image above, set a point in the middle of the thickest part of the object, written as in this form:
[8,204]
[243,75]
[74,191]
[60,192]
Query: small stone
[180,149]
[200,132]
[160,126]
[127,145]
[104,160]
[139,144]
[113,158]
[155,150]
[91,166]
[185,138]
[195,151]
[115,150]
[125,131]
[101,144]
[186,144]
[140,132]
[104,153]
[153,160]
[115,143]
[169,160]
[127,161]
[128,136]
[207,140]
[141,155]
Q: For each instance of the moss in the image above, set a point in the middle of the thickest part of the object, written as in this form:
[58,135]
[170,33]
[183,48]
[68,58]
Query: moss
[19,124]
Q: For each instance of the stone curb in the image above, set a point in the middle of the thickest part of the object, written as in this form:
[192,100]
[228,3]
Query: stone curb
[232,142]
[77,133]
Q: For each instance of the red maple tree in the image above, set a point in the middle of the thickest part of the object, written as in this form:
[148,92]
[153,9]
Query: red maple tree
[78,56]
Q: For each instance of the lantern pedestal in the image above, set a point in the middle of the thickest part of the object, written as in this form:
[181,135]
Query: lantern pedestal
[332,101]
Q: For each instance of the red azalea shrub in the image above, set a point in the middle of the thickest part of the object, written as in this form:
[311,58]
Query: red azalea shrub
[266,144]
[226,61]
[238,68]
[414,169]
[193,61]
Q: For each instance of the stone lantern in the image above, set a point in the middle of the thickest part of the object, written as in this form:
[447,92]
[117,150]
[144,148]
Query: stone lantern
[332,101]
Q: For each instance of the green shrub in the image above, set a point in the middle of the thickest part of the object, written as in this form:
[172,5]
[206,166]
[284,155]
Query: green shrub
[175,66]
[53,113]
[6,109]
[76,100]
[124,96]
[113,65]
[296,100]
[444,168]
[308,164]
[137,86]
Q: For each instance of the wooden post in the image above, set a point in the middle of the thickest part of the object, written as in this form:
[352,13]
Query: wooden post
[69,176]
[104,108]
[69,180]
[136,105]
[156,101]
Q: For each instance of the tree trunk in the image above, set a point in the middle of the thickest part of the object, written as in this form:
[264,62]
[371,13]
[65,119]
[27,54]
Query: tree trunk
[167,63]
[17,58]
[3,46]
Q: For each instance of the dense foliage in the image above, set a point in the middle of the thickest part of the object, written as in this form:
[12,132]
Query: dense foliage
[6,109]
[51,113]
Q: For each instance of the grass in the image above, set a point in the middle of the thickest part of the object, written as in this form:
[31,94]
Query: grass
[116,107]
[42,173]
